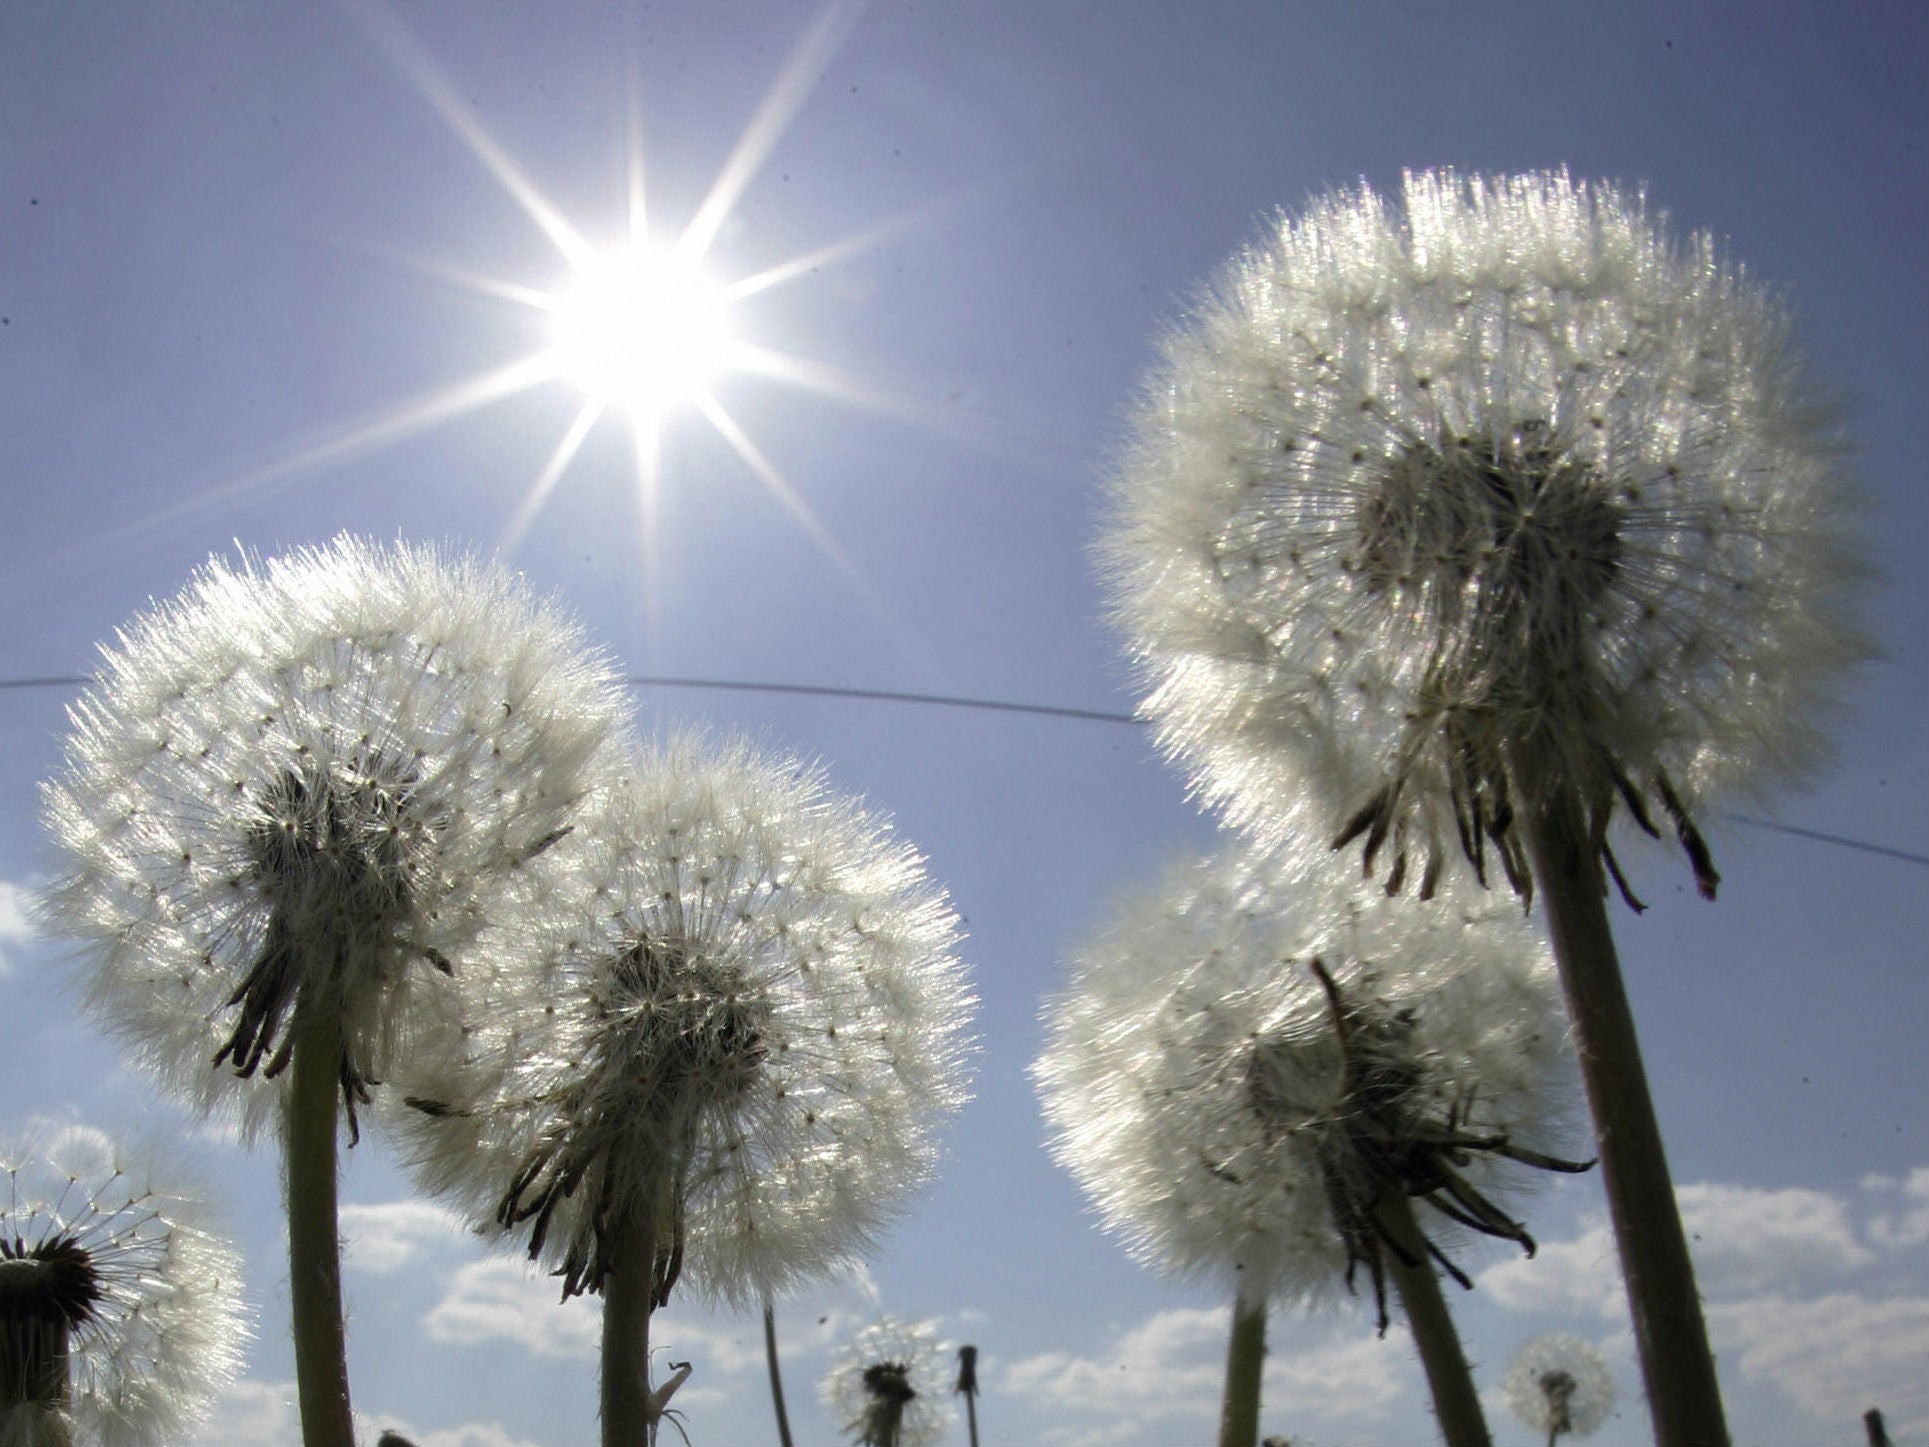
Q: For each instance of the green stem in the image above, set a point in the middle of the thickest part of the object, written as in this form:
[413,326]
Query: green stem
[629,1416]
[1455,1402]
[776,1378]
[1245,1364]
[1684,1397]
[314,1239]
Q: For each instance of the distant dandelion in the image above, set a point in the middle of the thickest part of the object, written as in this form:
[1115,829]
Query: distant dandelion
[120,1311]
[1559,1384]
[741,1026]
[890,1388]
[1257,1065]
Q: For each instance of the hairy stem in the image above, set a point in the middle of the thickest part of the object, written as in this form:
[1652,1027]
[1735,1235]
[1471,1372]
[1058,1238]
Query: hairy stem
[1245,1361]
[776,1378]
[314,1240]
[629,1416]
[1455,1402]
[1684,1397]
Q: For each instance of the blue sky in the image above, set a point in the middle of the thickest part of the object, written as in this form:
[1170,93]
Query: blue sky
[237,253]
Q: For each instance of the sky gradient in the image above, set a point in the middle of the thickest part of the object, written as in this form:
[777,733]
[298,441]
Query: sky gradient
[264,276]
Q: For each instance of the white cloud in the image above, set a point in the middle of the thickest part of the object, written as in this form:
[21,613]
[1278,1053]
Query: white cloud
[1744,1240]
[1835,1356]
[1908,1224]
[254,1414]
[15,928]
[504,1300]
[1581,1277]
[386,1236]
[1170,1368]
[1747,1240]
[469,1434]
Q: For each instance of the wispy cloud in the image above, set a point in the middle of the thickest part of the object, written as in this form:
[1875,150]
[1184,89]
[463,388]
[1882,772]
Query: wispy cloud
[504,1300]
[388,1235]
[1169,1369]
[1837,1355]
[1784,1272]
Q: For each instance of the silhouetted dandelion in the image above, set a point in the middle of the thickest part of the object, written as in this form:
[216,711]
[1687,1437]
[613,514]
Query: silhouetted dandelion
[889,1389]
[1558,1384]
[1462,528]
[293,794]
[120,1312]
[1256,1066]
[740,1028]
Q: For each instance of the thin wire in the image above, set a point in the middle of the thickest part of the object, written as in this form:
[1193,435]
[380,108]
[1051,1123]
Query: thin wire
[1042,710]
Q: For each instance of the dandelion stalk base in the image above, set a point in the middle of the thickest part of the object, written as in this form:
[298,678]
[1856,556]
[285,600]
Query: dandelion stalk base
[314,1241]
[629,1296]
[1455,1401]
[776,1377]
[1245,1364]
[1669,1332]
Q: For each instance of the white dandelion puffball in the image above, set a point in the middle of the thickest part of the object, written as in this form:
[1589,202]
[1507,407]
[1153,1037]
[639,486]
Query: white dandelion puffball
[1432,510]
[1559,1384]
[1249,1055]
[120,1312]
[891,1388]
[736,1009]
[297,789]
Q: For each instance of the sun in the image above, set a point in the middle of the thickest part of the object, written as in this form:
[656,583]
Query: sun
[642,328]
[643,331]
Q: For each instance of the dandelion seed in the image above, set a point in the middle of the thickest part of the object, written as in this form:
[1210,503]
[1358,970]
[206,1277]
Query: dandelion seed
[888,1389]
[120,1315]
[1558,1384]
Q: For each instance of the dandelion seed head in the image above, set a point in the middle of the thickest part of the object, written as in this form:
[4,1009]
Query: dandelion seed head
[295,789]
[1506,470]
[891,1387]
[120,1315]
[731,999]
[1558,1383]
[1196,1082]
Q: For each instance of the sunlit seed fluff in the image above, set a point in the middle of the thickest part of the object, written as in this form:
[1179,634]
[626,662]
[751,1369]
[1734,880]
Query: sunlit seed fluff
[891,1387]
[1559,1384]
[1231,1118]
[297,787]
[729,1001]
[1507,473]
[120,1313]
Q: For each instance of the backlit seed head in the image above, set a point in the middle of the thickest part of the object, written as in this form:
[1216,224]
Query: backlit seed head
[1249,1057]
[891,1388]
[730,1001]
[295,792]
[1432,509]
[120,1316]
[1559,1384]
